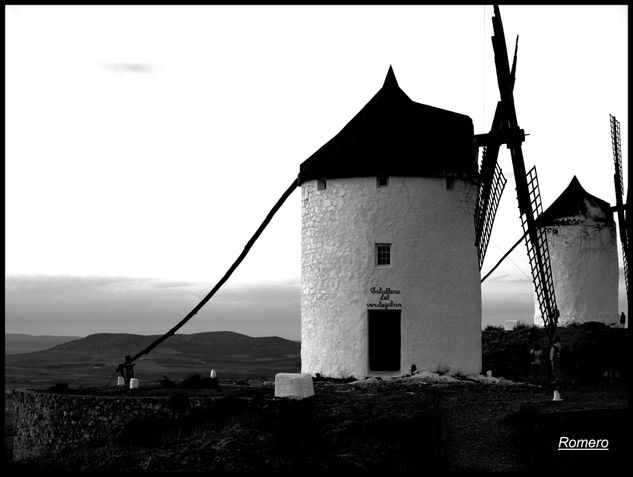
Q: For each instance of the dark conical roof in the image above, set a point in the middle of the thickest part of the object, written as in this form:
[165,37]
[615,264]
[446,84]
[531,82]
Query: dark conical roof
[576,205]
[393,135]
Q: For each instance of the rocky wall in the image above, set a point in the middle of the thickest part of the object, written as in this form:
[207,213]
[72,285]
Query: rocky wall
[47,422]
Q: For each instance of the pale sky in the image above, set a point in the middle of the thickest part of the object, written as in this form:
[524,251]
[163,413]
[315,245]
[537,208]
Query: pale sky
[145,144]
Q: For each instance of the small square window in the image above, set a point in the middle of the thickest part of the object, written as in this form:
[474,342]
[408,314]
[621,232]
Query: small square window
[382,181]
[321,184]
[383,254]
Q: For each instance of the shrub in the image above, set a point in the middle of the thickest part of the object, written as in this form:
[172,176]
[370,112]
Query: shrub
[522,326]
[165,382]
[59,387]
[588,350]
[197,381]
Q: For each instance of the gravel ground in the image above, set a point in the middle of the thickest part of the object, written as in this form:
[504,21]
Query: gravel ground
[401,426]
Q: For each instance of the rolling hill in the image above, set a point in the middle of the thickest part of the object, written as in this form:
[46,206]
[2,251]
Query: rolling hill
[15,343]
[90,359]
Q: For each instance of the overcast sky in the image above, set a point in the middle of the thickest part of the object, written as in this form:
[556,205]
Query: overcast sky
[145,144]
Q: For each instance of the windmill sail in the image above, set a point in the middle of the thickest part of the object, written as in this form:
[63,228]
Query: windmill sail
[506,130]
[490,189]
[540,266]
[619,194]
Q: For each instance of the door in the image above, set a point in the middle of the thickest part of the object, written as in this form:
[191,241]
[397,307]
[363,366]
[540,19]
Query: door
[384,340]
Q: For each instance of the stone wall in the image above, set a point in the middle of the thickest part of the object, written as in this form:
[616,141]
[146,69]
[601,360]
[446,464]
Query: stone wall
[46,422]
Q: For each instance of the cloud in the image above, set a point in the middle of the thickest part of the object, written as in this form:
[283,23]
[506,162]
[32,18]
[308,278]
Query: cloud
[59,305]
[41,285]
[139,68]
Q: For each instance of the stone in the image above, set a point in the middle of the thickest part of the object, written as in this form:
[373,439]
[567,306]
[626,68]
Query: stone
[293,385]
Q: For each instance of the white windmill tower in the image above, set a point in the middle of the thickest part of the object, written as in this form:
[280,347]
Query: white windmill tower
[581,238]
[389,270]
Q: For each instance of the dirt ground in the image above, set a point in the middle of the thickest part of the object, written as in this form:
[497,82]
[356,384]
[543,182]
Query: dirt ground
[400,426]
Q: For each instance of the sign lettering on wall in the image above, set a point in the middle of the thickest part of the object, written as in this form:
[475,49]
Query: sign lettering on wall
[384,298]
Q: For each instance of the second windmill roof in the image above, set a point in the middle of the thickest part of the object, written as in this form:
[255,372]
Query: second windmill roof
[576,205]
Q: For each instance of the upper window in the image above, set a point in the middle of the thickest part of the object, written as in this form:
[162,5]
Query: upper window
[382,181]
[321,184]
[383,254]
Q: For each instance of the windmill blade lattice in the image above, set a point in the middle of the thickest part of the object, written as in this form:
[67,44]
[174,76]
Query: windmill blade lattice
[617,155]
[619,194]
[491,188]
[539,252]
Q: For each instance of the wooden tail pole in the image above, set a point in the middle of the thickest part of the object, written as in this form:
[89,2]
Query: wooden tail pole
[226,276]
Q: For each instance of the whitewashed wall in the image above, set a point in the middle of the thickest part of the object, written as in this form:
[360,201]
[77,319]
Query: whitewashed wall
[434,267]
[585,272]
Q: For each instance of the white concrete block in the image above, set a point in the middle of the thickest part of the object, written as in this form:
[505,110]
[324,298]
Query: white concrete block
[293,385]
[120,381]
[134,383]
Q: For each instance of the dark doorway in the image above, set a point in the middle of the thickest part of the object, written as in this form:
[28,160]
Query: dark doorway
[384,340]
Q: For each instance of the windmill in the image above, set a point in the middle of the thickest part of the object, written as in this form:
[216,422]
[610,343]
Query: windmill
[620,209]
[505,130]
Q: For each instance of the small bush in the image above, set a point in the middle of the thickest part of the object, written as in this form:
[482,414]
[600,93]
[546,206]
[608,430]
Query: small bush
[523,326]
[59,387]
[197,381]
[588,351]
[165,382]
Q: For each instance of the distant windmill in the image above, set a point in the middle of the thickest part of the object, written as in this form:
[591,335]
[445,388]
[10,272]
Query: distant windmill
[505,130]
[620,209]
[581,236]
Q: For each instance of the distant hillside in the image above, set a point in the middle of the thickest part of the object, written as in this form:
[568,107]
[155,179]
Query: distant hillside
[96,356]
[216,343]
[15,343]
